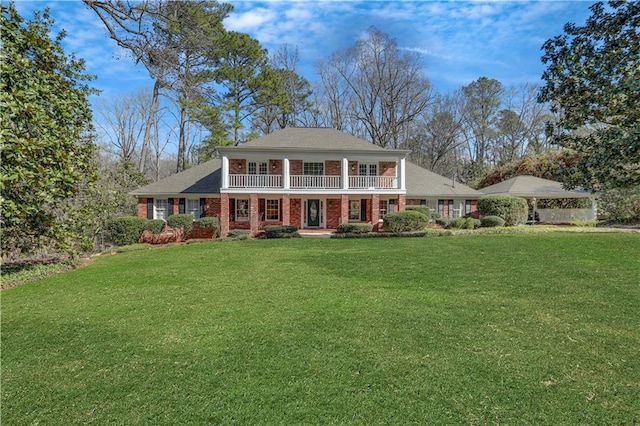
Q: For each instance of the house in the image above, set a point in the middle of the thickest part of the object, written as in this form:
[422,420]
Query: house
[535,189]
[314,178]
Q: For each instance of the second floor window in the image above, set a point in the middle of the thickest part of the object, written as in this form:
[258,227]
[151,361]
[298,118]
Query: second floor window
[257,168]
[314,169]
[365,169]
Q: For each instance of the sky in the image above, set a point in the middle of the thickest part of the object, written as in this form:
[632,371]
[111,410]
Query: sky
[458,41]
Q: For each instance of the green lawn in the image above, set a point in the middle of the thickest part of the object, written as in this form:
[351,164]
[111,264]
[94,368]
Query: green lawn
[491,329]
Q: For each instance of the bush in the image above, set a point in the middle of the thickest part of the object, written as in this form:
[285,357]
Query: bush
[354,228]
[620,204]
[281,231]
[125,230]
[513,210]
[491,222]
[238,234]
[184,221]
[154,225]
[422,209]
[442,221]
[211,222]
[406,221]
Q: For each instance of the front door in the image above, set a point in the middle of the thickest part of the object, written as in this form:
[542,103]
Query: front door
[313,213]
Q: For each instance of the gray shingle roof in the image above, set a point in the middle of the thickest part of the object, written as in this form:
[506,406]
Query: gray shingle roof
[424,183]
[308,138]
[531,186]
[202,179]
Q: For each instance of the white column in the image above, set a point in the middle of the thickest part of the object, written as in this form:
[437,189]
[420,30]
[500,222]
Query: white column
[225,172]
[345,173]
[285,173]
[401,173]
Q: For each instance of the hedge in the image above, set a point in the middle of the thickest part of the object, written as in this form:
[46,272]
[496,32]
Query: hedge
[513,210]
[422,209]
[354,228]
[281,231]
[405,221]
[184,221]
[465,223]
[125,230]
[491,222]
[154,225]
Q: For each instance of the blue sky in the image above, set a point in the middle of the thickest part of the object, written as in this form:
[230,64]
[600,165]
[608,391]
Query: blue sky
[459,41]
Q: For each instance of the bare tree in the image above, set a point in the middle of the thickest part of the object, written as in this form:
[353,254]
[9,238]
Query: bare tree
[376,84]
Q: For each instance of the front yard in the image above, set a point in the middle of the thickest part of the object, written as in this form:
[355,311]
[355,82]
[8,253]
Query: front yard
[475,329]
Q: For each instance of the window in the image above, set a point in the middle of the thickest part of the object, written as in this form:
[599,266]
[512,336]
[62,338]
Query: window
[255,168]
[354,210]
[273,209]
[467,207]
[383,206]
[242,210]
[365,169]
[160,210]
[445,208]
[314,169]
[193,208]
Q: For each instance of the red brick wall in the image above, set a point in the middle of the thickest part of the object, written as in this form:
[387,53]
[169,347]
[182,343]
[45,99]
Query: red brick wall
[353,168]
[333,168]
[295,212]
[333,212]
[295,167]
[402,202]
[344,208]
[275,167]
[237,167]
[413,201]
[142,207]
[391,168]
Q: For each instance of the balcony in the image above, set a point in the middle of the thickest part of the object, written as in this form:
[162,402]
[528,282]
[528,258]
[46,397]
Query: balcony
[247,181]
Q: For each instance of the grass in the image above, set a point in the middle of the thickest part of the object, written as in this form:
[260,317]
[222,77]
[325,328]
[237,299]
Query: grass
[477,329]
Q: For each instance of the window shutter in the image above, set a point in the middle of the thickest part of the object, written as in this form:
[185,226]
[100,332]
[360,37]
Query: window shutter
[363,210]
[261,206]
[232,209]
[203,207]
[392,205]
[149,208]
[181,206]
[423,202]
[170,202]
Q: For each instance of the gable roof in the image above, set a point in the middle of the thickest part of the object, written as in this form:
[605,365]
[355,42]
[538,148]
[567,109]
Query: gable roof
[205,178]
[531,186]
[421,182]
[308,139]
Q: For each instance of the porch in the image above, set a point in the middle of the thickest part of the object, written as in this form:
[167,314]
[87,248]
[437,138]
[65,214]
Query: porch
[251,181]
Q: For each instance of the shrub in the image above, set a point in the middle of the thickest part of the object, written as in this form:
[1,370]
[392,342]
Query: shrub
[422,209]
[281,231]
[184,221]
[125,230]
[442,221]
[354,228]
[238,234]
[405,221]
[211,222]
[512,209]
[154,225]
[491,222]
[465,223]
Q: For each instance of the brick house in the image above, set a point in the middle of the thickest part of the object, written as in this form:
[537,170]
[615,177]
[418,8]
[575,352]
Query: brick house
[314,178]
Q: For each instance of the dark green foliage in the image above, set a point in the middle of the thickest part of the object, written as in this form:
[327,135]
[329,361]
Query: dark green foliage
[125,230]
[405,221]
[512,209]
[238,234]
[465,223]
[154,225]
[592,82]
[491,222]
[620,204]
[211,222]
[354,228]
[45,137]
[564,203]
[184,221]
[422,209]
[442,221]
[281,231]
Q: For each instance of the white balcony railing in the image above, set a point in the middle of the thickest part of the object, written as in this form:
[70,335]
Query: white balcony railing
[315,182]
[312,182]
[373,182]
[255,181]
